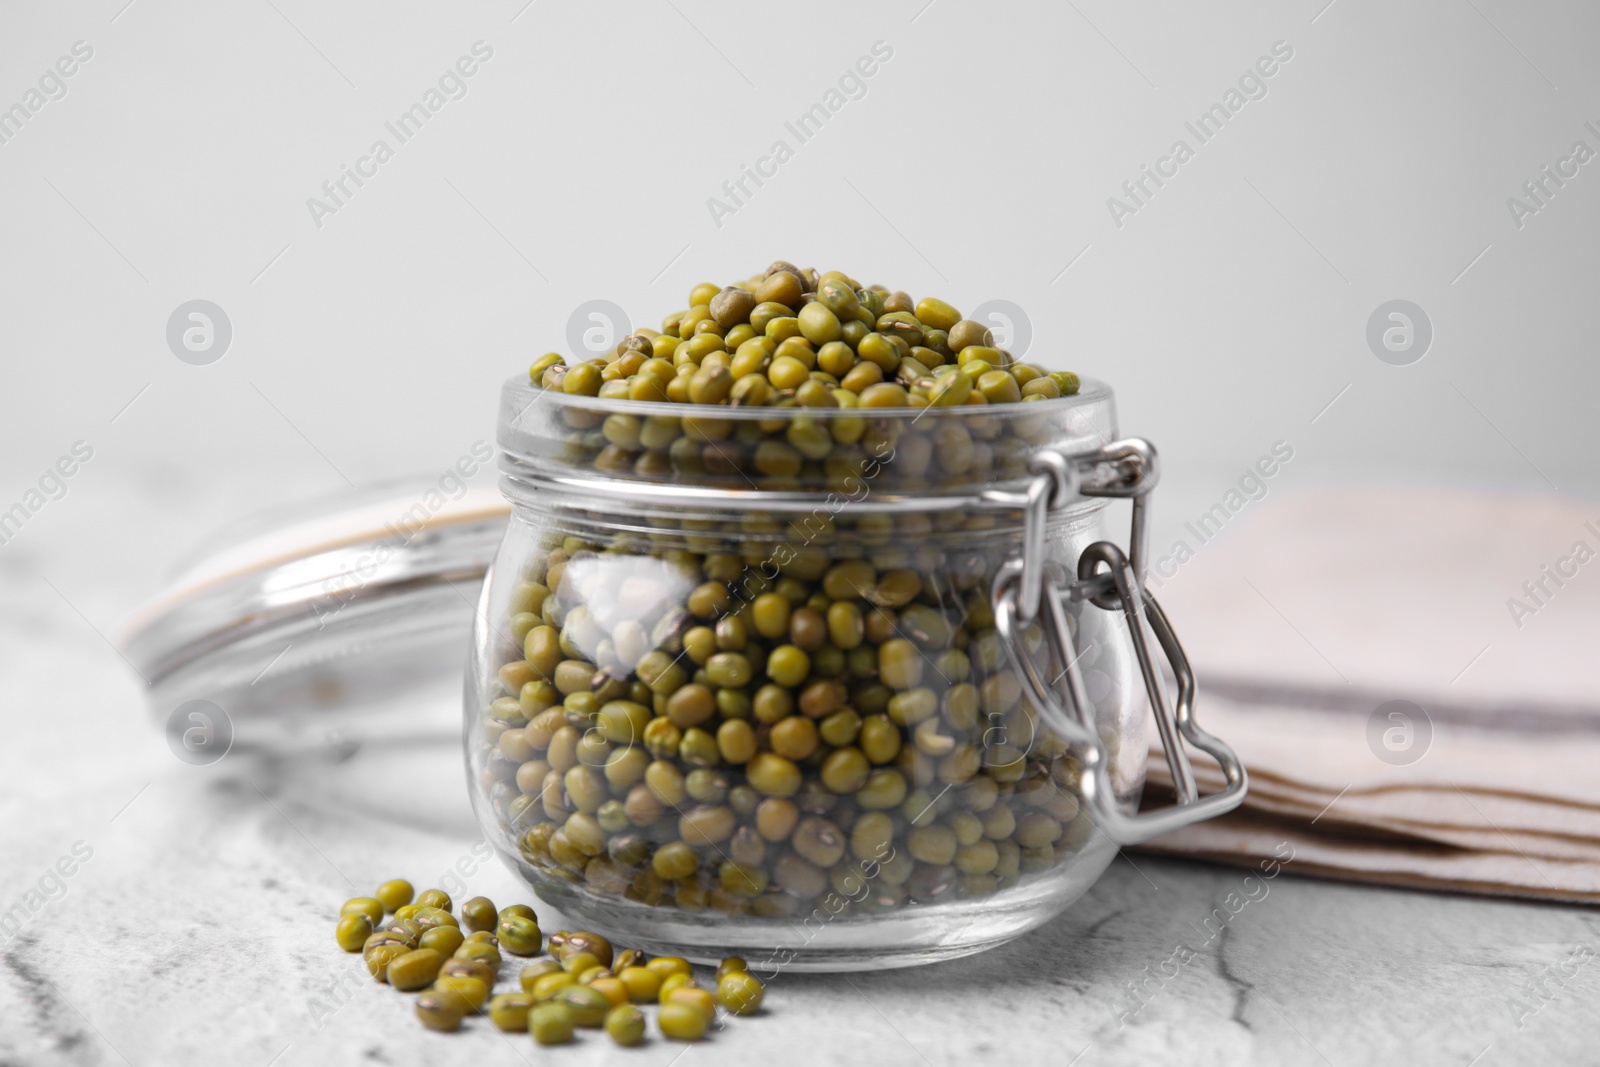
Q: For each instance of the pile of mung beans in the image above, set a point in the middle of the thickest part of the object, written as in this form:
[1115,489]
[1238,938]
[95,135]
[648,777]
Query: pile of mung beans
[797,339]
[582,983]
[816,340]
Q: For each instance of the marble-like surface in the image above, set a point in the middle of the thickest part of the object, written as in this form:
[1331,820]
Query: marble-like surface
[199,929]
[199,932]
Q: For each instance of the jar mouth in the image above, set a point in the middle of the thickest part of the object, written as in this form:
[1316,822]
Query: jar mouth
[933,456]
[1091,392]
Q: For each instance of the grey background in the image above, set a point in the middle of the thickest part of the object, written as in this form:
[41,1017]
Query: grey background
[1230,313]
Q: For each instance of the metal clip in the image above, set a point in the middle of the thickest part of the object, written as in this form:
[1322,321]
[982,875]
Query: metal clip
[1121,469]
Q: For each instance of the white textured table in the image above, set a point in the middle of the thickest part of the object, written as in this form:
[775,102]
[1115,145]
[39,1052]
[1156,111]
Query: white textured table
[199,929]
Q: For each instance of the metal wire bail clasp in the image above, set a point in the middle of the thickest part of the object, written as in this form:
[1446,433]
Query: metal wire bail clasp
[1025,591]
[1054,484]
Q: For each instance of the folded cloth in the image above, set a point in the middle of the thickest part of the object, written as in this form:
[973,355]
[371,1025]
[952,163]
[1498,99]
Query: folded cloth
[1246,838]
[1406,676]
[1445,827]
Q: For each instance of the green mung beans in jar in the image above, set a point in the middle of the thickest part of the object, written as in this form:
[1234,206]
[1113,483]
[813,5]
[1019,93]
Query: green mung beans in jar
[742,712]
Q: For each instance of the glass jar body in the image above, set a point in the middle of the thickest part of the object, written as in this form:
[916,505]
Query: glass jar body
[791,736]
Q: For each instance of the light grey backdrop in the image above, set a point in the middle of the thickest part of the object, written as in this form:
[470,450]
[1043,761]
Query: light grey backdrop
[1230,310]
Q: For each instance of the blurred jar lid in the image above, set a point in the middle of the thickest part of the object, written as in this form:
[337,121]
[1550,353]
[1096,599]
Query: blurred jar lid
[334,619]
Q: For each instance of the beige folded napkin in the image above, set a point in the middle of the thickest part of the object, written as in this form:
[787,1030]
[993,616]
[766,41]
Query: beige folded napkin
[1478,613]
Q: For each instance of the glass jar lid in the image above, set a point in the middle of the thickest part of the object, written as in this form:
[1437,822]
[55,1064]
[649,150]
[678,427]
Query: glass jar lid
[326,620]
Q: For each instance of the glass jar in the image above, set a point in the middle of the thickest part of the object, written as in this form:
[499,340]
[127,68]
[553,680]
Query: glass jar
[835,688]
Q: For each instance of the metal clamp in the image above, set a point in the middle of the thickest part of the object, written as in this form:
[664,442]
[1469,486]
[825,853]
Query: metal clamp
[1025,591]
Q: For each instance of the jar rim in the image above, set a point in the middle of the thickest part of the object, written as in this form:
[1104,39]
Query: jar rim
[630,449]
[1092,392]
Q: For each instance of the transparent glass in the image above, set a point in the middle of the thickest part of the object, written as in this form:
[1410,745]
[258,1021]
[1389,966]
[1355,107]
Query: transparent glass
[736,689]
